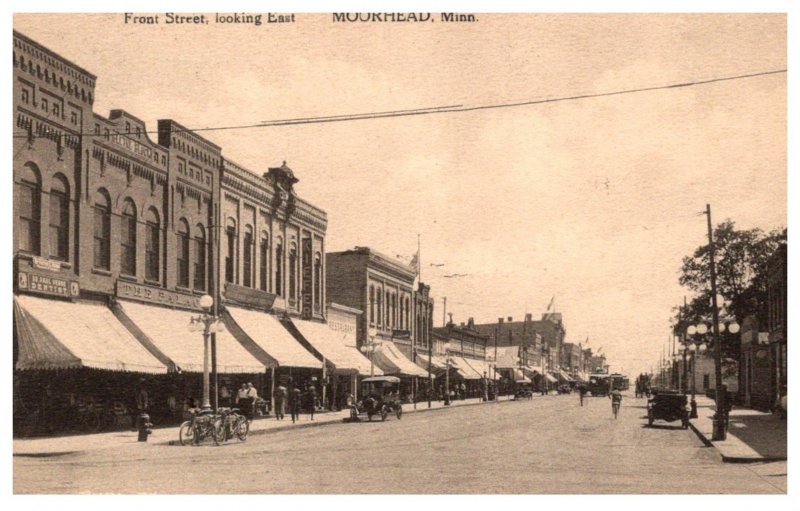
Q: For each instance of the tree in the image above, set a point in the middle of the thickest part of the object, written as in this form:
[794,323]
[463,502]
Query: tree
[741,260]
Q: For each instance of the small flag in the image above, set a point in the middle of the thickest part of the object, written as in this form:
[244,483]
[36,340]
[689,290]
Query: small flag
[415,262]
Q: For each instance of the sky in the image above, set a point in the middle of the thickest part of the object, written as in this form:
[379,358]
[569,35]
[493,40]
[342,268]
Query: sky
[591,201]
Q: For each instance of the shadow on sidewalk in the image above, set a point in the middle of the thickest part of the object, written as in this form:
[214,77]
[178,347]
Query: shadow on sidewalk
[764,433]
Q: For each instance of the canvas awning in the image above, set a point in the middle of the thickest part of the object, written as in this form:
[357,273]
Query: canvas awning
[481,367]
[438,364]
[533,369]
[168,330]
[53,334]
[520,377]
[464,369]
[566,376]
[268,339]
[331,345]
[549,377]
[391,360]
[507,357]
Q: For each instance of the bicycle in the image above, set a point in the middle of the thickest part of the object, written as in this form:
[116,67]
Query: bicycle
[202,425]
[234,424]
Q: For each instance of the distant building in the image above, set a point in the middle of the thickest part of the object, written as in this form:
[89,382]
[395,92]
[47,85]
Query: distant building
[776,325]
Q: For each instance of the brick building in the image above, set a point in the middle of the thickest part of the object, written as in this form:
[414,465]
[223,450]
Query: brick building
[117,234]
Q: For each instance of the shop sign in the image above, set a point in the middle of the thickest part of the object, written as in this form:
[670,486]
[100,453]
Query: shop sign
[133,291]
[132,145]
[307,278]
[249,296]
[47,285]
[43,263]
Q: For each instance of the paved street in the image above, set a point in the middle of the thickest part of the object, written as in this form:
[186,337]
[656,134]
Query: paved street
[545,445]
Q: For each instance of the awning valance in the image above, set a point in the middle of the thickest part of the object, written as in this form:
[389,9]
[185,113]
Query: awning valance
[168,330]
[272,340]
[392,361]
[53,334]
[331,345]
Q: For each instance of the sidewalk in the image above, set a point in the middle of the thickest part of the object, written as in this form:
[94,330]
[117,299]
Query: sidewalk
[60,445]
[753,436]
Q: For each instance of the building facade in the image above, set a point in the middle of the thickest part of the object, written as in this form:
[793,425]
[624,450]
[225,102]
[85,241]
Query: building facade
[124,230]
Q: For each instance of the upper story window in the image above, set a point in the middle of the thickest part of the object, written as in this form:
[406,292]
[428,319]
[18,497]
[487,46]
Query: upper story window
[200,258]
[379,305]
[230,253]
[318,280]
[29,208]
[182,252]
[128,238]
[59,218]
[263,258]
[247,271]
[371,304]
[102,230]
[279,267]
[152,246]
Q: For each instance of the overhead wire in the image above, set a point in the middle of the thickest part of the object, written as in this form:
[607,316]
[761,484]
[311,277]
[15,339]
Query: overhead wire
[444,109]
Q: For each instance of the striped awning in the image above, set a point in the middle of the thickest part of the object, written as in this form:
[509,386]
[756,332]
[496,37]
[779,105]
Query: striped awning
[267,338]
[392,361]
[55,334]
[168,330]
[331,345]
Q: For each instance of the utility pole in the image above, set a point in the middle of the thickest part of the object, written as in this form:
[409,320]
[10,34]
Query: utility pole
[444,311]
[721,402]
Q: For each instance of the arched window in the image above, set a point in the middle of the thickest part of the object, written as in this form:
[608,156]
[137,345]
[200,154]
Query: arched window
[371,304]
[408,315]
[182,252]
[401,317]
[29,208]
[318,281]
[200,258]
[102,230]
[230,254]
[152,245]
[293,272]
[279,267]
[247,273]
[59,218]
[263,259]
[388,308]
[380,307]
[128,238]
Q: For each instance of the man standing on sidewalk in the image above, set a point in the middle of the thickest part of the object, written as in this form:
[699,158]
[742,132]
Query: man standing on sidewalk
[280,395]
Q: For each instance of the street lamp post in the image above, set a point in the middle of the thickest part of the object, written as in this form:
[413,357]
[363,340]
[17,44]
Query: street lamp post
[207,324]
[369,350]
[447,378]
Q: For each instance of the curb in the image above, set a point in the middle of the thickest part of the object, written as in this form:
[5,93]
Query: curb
[734,459]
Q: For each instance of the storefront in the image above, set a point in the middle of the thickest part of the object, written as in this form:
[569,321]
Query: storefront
[342,364]
[76,364]
[267,339]
[391,361]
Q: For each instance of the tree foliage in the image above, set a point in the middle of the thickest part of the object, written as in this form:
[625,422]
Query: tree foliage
[741,263]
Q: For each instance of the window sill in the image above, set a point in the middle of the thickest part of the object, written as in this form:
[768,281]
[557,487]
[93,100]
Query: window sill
[183,289]
[152,282]
[129,278]
[101,271]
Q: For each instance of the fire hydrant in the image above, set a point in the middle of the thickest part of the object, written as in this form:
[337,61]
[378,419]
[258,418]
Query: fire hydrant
[144,426]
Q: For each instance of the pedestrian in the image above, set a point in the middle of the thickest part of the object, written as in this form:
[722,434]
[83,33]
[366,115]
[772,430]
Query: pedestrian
[310,400]
[225,395]
[616,401]
[142,398]
[295,399]
[582,392]
[252,394]
[241,393]
[280,394]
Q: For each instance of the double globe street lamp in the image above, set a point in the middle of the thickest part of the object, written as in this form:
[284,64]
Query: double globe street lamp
[206,323]
[699,344]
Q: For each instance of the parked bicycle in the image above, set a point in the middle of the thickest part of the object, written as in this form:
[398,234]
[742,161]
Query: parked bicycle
[234,424]
[203,424]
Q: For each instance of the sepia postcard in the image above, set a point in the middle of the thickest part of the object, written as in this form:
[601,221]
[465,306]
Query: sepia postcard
[403,253]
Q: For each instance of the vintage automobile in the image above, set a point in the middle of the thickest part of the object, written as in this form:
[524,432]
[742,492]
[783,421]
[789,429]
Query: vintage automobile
[381,396]
[668,405]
